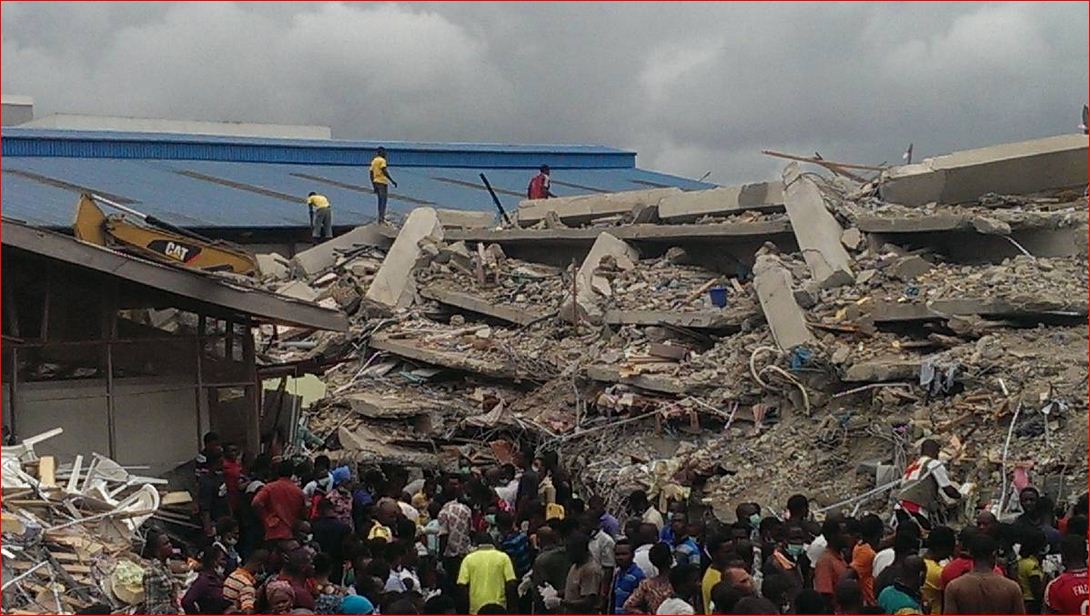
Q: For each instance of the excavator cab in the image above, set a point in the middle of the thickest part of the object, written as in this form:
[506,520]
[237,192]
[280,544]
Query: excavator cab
[156,239]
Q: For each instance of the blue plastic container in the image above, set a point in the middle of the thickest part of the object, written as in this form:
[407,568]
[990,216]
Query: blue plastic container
[718,296]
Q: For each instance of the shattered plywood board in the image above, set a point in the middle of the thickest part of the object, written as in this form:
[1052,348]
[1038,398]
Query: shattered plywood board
[817,232]
[472,303]
[455,360]
[394,285]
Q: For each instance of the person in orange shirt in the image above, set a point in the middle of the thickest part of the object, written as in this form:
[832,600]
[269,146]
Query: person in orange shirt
[870,535]
[830,567]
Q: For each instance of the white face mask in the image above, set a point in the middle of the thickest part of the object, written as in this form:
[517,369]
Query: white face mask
[220,571]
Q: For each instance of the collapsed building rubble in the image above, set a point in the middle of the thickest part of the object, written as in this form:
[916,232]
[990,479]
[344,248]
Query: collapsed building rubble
[648,359]
[741,343]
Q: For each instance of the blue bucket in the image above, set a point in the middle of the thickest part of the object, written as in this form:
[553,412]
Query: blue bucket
[718,296]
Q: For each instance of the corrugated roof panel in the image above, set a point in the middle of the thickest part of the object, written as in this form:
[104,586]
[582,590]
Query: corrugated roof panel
[262,195]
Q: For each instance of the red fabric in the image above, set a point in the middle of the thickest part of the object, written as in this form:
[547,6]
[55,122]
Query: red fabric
[537,187]
[959,567]
[828,571]
[1068,593]
[232,477]
[280,504]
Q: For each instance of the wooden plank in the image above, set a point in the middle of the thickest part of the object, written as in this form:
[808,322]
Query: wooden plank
[47,471]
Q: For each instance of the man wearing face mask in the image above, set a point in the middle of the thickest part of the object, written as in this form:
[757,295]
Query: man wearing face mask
[750,513]
[227,541]
[789,558]
[205,595]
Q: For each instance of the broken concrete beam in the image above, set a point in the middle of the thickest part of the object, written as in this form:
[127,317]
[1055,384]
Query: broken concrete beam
[910,267]
[394,286]
[324,256]
[719,320]
[782,312]
[378,406]
[585,304]
[1012,168]
[586,208]
[651,382]
[880,370]
[272,266]
[817,232]
[460,361]
[465,219]
[1044,308]
[299,290]
[723,201]
[472,303]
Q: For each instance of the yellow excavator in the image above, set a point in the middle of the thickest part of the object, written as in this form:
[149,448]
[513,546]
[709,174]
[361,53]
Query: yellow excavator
[156,239]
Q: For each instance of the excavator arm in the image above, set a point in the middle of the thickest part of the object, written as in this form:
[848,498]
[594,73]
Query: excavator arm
[150,240]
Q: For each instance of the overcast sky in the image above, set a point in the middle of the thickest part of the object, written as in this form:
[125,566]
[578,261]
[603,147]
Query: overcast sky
[692,88]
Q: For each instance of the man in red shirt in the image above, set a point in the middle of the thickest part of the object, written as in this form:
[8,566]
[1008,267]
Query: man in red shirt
[280,504]
[1068,594]
[539,185]
[963,561]
[831,566]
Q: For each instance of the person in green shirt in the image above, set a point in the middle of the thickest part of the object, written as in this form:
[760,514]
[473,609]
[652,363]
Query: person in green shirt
[486,576]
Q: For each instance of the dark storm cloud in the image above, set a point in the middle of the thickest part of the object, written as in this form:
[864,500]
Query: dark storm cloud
[693,88]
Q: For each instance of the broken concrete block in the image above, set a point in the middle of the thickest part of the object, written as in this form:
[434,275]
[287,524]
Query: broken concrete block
[299,290]
[851,238]
[587,284]
[324,256]
[586,208]
[990,226]
[465,219]
[1008,169]
[808,295]
[272,266]
[817,232]
[908,268]
[457,252]
[723,201]
[879,370]
[394,286]
[784,317]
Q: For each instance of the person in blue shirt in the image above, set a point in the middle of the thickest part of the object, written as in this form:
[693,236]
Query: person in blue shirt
[686,551]
[626,576]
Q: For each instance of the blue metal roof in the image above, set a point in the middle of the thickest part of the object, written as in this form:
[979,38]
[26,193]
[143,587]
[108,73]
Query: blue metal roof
[242,183]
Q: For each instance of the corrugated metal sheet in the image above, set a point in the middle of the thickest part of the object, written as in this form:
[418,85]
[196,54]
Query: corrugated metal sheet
[162,146]
[181,192]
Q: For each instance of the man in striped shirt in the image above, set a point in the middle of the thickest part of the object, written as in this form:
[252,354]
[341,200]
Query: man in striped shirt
[240,588]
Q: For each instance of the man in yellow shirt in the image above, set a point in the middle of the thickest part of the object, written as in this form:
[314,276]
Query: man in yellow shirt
[719,548]
[381,180]
[321,217]
[487,576]
[940,547]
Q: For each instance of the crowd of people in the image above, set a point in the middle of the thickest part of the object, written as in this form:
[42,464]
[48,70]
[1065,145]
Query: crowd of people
[308,536]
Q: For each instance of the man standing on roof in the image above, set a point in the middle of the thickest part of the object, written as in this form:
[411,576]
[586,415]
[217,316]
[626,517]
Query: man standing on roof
[321,218]
[539,185]
[380,181]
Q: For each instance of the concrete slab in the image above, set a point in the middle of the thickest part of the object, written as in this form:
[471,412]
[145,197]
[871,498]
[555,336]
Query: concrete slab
[299,290]
[465,219]
[817,232]
[1044,308]
[324,256]
[273,266]
[393,285]
[718,320]
[586,208]
[786,320]
[586,303]
[651,382]
[411,349]
[723,201]
[662,234]
[1012,168]
[478,305]
[378,406]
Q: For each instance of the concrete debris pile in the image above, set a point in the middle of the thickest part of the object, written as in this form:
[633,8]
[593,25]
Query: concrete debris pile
[68,530]
[681,350]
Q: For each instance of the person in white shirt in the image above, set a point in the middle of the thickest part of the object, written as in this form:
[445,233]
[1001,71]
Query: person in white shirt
[818,545]
[647,538]
[639,505]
